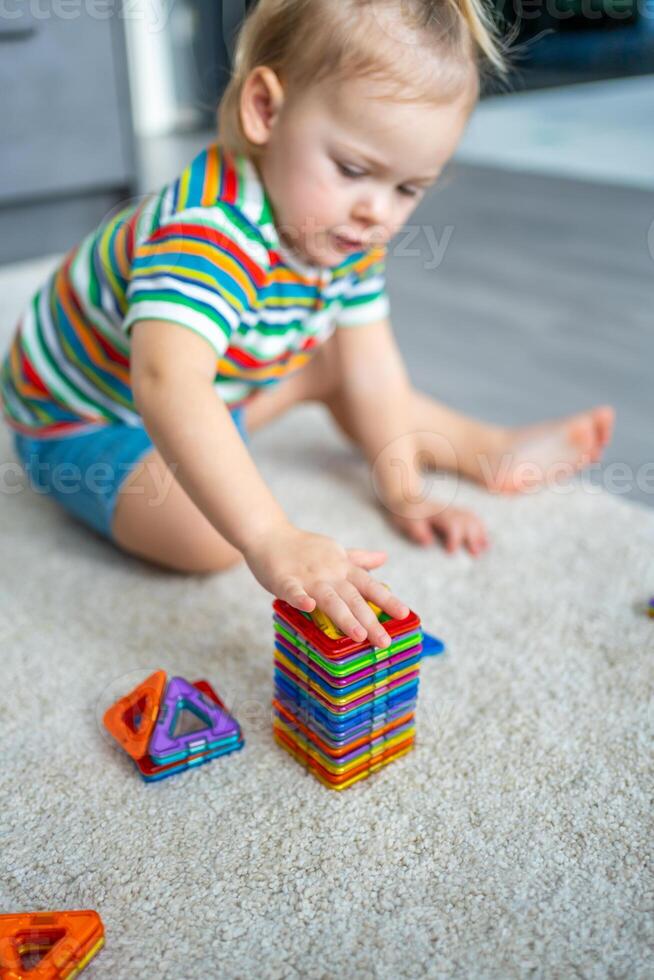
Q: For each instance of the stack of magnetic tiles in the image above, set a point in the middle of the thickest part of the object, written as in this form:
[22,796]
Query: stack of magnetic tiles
[344,709]
[146,723]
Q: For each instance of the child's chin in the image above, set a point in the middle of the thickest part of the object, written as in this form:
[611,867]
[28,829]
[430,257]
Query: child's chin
[325,257]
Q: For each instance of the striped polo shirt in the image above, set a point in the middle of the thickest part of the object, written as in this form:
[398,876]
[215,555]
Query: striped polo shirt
[204,252]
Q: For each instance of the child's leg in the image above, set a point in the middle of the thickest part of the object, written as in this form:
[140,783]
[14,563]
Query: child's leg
[513,459]
[501,459]
[156,520]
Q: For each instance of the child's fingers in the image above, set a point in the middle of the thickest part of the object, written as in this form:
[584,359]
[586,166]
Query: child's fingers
[293,593]
[422,532]
[331,603]
[473,534]
[381,595]
[374,630]
[350,612]
[453,534]
[476,538]
[366,559]
[368,619]
[417,529]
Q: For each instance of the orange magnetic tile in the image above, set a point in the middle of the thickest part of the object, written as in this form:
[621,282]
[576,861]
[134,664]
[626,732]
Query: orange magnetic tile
[132,719]
[69,939]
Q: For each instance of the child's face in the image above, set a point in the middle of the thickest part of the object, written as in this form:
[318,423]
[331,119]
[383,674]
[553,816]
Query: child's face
[318,169]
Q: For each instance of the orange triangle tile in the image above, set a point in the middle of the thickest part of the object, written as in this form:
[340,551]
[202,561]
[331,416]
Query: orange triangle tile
[66,942]
[132,719]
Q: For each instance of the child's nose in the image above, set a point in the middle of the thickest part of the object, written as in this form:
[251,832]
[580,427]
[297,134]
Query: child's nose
[373,210]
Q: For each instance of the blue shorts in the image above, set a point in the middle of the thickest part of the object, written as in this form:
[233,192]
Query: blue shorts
[84,473]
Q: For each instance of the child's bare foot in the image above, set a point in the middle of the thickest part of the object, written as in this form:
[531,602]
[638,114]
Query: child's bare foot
[528,457]
[454,526]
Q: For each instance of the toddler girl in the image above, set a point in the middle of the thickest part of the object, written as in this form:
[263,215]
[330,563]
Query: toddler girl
[255,281]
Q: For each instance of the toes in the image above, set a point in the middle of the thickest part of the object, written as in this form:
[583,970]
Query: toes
[604,424]
[591,432]
[582,433]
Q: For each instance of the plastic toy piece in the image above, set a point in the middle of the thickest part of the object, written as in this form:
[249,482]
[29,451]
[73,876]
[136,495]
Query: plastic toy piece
[326,778]
[341,751]
[431,645]
[335,649]
[356,759]
[324,623]
[344,709]
[151,772]
[370,704]
[66,942]
[369,688]
[371,657]
[329,628]
[383,669]
[132,719]
[219,729]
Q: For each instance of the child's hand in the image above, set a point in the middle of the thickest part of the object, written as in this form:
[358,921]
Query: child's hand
[454,526]
[310,570]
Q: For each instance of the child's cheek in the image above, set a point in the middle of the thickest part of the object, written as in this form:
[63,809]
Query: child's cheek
[308,202]
[321,200]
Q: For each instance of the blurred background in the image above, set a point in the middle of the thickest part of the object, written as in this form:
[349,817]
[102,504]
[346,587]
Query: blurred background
[526,289]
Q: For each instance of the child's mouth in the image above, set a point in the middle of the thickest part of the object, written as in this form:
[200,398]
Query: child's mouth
[346,244]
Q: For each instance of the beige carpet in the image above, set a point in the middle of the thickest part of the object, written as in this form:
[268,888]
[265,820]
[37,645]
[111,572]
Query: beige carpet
[514,841]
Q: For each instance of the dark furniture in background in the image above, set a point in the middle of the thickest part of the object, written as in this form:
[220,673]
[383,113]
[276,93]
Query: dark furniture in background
[202,68]
[66,157]
[560,42]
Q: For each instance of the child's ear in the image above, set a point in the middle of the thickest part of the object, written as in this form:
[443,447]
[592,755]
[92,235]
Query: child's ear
[262,98]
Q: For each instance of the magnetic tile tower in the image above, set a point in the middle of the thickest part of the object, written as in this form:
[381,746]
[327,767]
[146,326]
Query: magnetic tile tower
[344,709]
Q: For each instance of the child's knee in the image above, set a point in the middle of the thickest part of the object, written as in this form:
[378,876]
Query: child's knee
[209,564]
[184,557]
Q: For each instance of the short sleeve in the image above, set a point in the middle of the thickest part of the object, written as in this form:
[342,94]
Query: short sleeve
[366,299]
[200,270]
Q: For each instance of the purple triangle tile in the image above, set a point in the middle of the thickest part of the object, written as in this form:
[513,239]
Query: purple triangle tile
[181,695]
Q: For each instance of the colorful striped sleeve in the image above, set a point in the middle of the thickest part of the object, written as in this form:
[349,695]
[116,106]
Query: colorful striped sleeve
[204,270]
[366,299]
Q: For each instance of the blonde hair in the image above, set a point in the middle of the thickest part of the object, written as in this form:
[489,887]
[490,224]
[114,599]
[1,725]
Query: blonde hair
[308,41]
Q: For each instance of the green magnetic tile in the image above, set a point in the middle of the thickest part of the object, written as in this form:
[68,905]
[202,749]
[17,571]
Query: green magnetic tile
[365,660]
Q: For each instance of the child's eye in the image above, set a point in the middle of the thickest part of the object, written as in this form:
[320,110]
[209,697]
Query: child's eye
[353,174]
[349,172]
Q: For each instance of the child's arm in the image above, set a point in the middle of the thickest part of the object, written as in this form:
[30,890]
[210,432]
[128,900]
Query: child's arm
[172,373]
[376,387]
[381,408]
